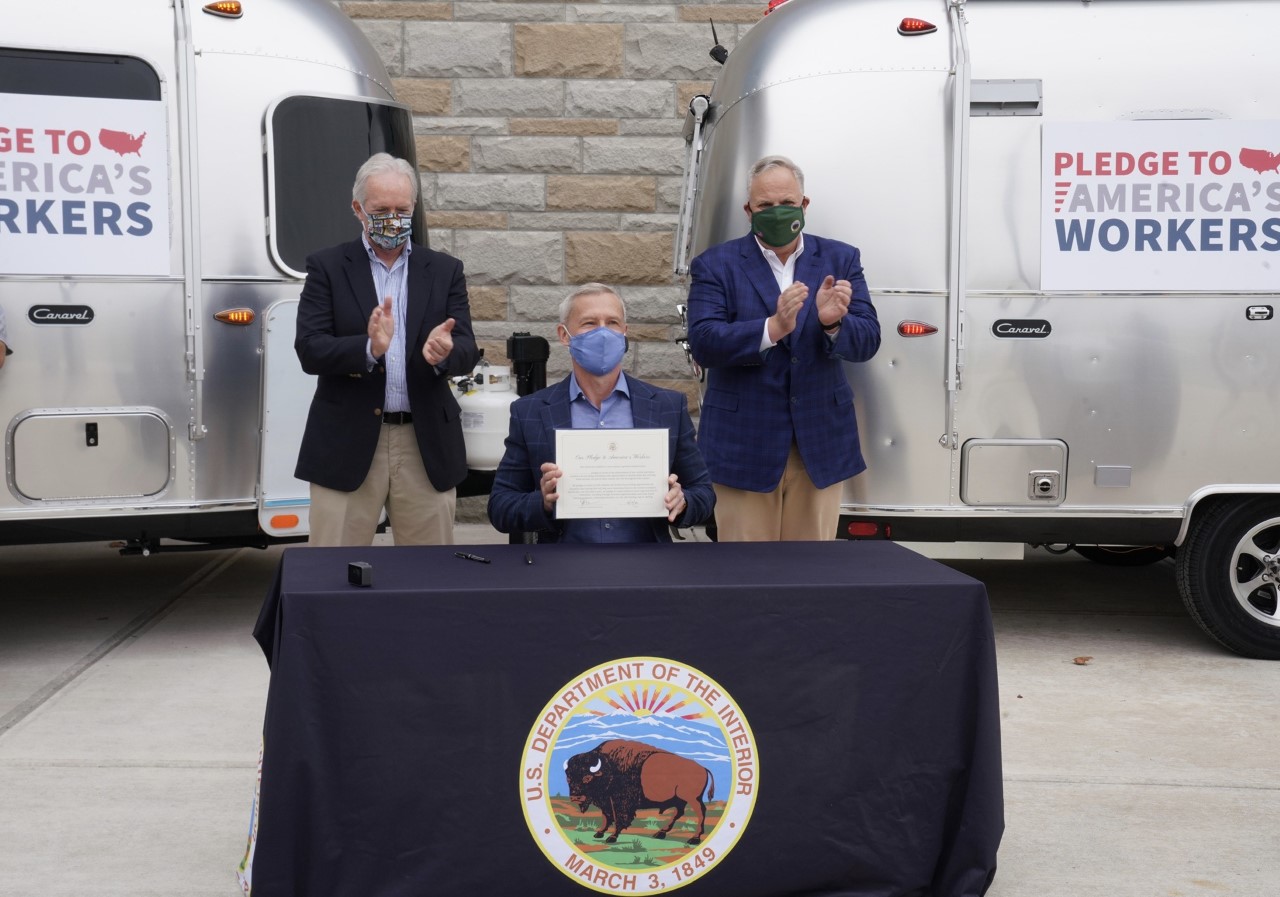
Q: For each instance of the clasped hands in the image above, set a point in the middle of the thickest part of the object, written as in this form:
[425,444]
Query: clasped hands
[382,326]
[551,474]
[832,304]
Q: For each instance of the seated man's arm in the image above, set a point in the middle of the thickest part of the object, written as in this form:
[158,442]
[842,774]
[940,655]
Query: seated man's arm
[515,500]
[699,496]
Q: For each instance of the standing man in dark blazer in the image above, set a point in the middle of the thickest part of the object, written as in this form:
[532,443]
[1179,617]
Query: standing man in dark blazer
[383,323]
[772,317]
[595,395]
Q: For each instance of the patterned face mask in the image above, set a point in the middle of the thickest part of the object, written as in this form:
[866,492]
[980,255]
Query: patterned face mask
[389,230]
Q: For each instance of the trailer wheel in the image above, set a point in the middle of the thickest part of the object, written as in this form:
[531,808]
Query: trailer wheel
[1124,555]
[1228,571]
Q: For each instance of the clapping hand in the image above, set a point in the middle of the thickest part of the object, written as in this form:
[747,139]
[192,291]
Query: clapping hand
[833,300]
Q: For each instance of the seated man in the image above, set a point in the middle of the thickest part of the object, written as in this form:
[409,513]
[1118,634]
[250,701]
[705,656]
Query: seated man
[593,325]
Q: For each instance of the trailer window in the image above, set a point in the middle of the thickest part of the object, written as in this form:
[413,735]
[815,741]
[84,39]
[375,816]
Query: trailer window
[77,75]
[315,145]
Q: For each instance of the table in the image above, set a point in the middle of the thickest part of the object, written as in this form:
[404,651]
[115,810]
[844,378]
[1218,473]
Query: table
[407,723]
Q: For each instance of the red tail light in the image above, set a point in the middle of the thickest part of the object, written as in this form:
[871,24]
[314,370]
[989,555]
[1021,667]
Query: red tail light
[773,4]
[915,328]
[912,27]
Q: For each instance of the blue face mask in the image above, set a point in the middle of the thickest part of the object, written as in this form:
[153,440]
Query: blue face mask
[598,351]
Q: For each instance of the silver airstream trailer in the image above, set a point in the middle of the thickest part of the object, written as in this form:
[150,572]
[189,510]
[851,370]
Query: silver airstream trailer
[165,168]
[1069,214]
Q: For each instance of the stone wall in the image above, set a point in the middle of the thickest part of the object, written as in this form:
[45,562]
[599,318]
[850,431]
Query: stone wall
[549,143]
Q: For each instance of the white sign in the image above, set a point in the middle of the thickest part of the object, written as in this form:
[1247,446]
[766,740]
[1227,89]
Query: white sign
[84,186]
[612,473]
[1160,205]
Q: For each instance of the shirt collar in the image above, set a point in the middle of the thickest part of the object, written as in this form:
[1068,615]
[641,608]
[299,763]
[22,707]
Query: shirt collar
[575,391]
[772,256]
[368,248]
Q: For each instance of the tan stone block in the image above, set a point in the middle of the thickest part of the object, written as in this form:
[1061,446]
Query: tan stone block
[569,51]
[488,304]
[601,193]
[686,91]
[688,387]
[474,220]
[449,153]
[567,127]
[745,14]
[424,96]
[649,332]
[617,258]
[433,12]
[495,351]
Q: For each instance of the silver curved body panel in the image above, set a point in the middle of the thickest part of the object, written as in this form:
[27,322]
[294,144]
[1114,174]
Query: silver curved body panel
[162,383]
[1157,394]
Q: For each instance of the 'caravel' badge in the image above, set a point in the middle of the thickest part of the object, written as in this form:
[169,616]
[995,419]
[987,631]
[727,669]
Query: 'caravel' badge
[639,776]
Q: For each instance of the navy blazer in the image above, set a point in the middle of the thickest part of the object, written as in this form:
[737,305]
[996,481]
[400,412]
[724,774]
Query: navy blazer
[346,412]
[515,501]
[757,404]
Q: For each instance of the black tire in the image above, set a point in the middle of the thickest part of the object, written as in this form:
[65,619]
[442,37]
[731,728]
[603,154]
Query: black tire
[1227,572]
[1124,555]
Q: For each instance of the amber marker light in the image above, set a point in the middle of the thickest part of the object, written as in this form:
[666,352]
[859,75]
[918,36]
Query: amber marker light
[236,316]
[915,328]
[284,521]
[912,27]
[228,9]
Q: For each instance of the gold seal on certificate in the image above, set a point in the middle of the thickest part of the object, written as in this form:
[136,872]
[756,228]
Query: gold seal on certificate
[611,473]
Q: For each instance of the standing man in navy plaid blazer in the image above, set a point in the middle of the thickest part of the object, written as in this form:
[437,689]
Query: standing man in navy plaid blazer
[772,316]
[596,394]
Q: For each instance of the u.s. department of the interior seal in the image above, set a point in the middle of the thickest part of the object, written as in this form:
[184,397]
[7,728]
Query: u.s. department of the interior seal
[639,776]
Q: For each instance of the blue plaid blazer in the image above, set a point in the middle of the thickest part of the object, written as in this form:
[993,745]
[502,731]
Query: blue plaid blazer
[757,404]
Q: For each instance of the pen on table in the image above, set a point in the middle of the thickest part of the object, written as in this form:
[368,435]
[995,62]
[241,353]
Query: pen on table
[468,556]
[528,558]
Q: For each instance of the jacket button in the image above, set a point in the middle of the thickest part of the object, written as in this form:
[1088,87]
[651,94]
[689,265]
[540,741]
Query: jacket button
[377,412]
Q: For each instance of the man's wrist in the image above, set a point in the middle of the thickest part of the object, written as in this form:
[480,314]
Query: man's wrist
[831,328]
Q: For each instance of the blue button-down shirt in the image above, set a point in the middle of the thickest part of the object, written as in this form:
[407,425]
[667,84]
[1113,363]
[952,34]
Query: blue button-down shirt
[392,281]
[614,413]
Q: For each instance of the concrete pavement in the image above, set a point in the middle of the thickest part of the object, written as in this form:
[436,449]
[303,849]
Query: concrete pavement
[131,699]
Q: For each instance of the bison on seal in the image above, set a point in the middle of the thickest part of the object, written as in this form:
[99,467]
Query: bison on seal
[621,777]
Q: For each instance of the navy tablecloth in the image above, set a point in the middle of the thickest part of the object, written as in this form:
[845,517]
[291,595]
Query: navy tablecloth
[397,715]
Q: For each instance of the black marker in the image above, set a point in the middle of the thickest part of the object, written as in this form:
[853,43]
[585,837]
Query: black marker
[467,556]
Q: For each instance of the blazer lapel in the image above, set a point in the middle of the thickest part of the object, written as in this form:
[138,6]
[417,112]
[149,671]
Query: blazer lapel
[645,413]
[418,295]
[555,413]
[759,272]
[809,271]
[360,278]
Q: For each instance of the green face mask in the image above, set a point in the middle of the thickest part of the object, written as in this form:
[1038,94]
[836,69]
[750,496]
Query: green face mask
[778,225]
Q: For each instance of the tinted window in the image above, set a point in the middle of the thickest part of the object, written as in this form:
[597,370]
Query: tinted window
[77,75]
[317,145]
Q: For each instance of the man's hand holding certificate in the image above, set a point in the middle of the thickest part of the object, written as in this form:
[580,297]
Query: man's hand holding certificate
[611,473]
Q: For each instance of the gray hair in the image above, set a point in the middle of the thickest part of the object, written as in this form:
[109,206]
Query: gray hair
[589,289]
[382,163]
[769,162]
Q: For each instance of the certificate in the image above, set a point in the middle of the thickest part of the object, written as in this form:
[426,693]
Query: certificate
[611,473]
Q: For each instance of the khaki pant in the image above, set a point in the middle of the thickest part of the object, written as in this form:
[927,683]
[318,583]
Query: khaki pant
[796,511]
[419,515]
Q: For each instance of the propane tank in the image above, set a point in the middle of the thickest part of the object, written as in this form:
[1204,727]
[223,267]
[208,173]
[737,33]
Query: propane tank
[485,398]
